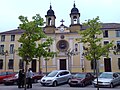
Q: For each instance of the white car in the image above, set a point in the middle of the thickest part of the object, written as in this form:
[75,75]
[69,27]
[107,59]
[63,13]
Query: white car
[56,77]
[109,79]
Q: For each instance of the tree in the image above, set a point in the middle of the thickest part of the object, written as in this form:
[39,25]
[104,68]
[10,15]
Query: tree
[43,50]
[32,33]
[92,42]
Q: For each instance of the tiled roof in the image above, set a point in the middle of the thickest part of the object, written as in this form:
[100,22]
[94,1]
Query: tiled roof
[110,25]
[15,31]
[106,26]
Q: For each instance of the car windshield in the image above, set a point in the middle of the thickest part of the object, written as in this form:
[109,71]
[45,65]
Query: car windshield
[52,74]
[2,73]
[80,75]
[106,75]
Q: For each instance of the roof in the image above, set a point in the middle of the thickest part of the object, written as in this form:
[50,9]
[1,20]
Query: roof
[104,27]
[15,31]
[50,12]
[74,10]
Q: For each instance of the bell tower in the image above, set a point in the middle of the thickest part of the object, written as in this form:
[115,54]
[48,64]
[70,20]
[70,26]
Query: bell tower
[75,22]
[50,21]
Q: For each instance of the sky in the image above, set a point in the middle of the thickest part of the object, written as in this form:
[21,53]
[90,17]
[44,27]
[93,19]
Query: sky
[107,10]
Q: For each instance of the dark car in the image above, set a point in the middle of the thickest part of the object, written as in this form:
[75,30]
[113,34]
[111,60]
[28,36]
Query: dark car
[6,74]
[81,79]
[14,80]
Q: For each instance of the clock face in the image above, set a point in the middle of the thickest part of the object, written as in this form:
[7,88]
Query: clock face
[62,29]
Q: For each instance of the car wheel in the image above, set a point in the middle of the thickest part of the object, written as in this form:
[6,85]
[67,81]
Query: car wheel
[71,85]
[111,85]
[43,84]
[90,82]
[54,84]
[83,84]
[68,80]
[35,81]
[15,83]
[94,85]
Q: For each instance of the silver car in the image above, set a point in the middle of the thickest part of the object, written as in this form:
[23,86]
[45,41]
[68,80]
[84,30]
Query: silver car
[56,77]
[109,79]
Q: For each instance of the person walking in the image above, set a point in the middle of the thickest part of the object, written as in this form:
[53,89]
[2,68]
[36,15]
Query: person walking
[29,77]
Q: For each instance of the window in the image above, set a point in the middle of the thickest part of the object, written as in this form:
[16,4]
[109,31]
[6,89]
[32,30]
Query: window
[119,63]
[75,19]
[2,38]
[106,42]
[118,45]
[21,64]
[49,21]
[117,33]
[92,64]
[1,63]
[12,37]
[10,64]
[105,33]
[62,45]
[11,48]
[2,49]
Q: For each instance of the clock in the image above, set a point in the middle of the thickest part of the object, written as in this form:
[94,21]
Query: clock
[61,29]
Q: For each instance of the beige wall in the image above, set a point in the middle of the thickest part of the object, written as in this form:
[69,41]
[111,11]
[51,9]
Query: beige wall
[54,63]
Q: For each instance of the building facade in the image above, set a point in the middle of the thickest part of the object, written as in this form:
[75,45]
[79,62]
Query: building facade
[70,52]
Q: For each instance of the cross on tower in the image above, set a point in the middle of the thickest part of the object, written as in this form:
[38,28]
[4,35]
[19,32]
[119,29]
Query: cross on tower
[62,21]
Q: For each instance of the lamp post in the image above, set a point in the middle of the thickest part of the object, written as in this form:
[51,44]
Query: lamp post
[6,54]
[13,59]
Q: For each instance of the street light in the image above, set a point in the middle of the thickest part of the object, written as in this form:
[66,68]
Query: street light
[6,54]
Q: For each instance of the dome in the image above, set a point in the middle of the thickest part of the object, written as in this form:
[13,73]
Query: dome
[50,12]
[74,10]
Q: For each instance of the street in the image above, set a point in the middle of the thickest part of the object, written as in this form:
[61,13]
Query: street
[37,86]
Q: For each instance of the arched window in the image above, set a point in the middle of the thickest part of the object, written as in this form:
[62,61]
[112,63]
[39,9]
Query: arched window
[49,21]
[75,20]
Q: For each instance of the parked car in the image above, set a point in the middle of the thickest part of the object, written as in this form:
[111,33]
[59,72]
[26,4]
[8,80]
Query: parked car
[14,80]
[56,77]
[6,74]
[107,79]
[81,79]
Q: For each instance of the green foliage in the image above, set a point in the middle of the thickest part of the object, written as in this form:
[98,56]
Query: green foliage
[90,37]
[32,33]
[43,49]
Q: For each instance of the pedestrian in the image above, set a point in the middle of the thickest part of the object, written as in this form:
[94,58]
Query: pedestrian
[23,78]
[19,78]
[29,77]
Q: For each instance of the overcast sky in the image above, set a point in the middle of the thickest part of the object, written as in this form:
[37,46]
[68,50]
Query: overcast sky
[10,10]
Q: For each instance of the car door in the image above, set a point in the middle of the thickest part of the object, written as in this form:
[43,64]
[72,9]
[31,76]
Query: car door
[116,79]
[2,76]
[60,78]
[87,78]
[63,77]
